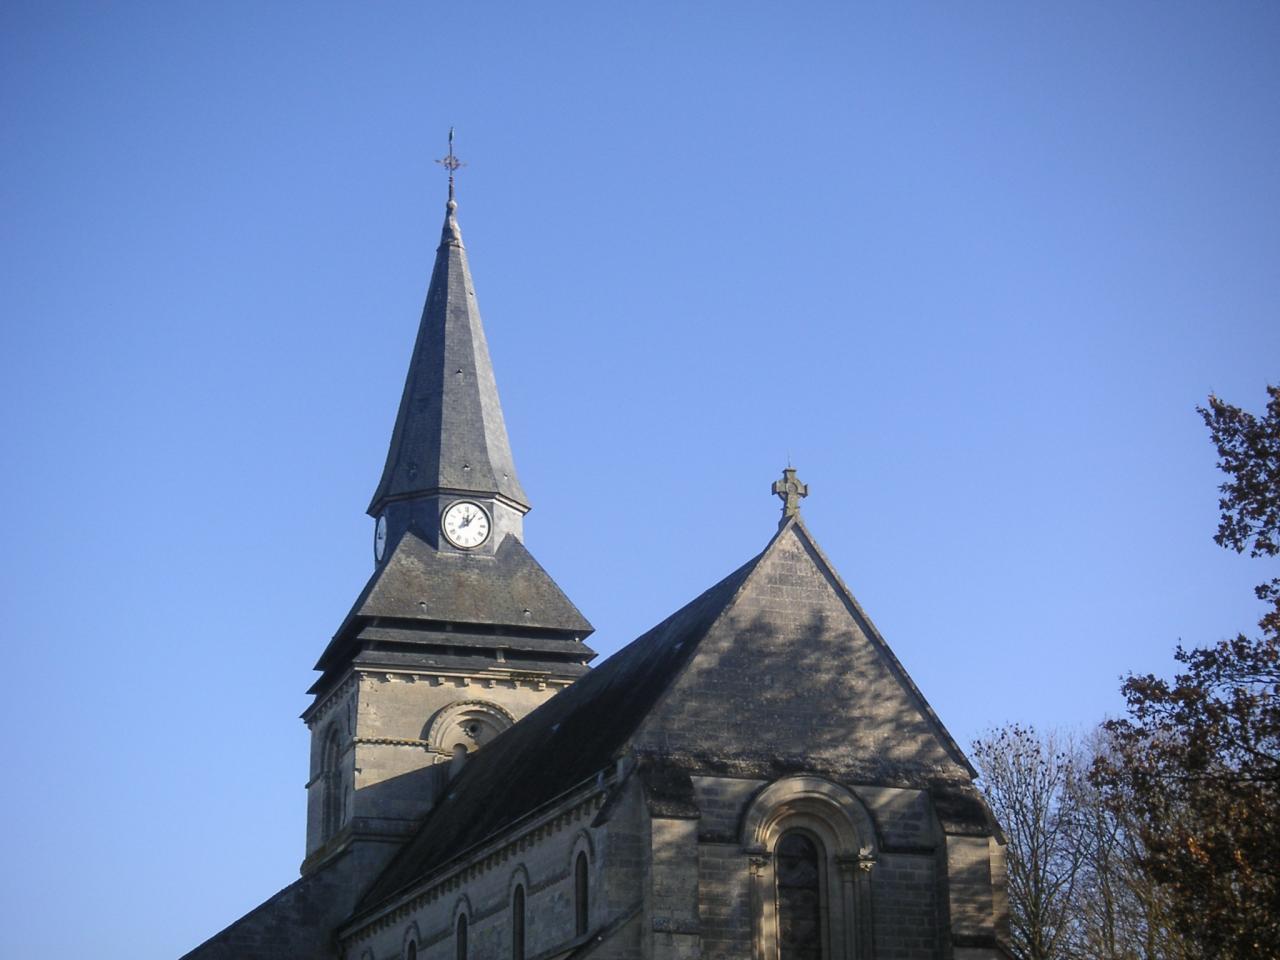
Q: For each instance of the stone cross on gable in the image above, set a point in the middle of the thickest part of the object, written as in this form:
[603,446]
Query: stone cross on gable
[789,491]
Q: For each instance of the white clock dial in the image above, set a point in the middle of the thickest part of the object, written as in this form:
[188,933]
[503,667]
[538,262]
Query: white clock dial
[465,524]
[380,538]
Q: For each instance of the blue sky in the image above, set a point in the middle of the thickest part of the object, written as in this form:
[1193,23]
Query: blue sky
[971,267]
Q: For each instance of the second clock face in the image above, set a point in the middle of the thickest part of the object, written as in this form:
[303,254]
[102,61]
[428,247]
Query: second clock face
[465,524]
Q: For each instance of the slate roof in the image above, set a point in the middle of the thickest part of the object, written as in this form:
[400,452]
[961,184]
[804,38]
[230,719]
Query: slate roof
[429,661]
[487,641]
[419,587]
[449,432]
[562,743]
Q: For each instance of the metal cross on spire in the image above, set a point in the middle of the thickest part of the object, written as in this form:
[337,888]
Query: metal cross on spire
[450,163]
[790,490]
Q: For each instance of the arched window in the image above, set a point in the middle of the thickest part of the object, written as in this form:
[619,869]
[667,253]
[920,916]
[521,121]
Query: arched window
[811,847]
[411,952]
[581,903]
[461,938]
[798,868]
[331,799]
[517,924]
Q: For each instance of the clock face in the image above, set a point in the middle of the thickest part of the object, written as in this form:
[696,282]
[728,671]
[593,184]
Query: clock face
[465,524]
[380,538]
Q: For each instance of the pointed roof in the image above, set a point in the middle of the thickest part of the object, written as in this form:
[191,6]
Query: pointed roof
[621,704]
[796,618]
[449,432]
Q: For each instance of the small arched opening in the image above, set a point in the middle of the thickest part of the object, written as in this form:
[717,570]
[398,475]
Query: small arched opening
[460,938]
[331,799]
[517,923]
[581,895]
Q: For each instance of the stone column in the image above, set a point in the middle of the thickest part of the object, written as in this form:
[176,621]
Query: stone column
[762,906]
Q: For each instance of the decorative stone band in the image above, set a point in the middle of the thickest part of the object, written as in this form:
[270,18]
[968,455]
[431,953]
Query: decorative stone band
[392,742]
[535,681]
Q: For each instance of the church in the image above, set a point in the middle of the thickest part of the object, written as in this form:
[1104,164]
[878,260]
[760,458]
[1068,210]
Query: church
[754,778]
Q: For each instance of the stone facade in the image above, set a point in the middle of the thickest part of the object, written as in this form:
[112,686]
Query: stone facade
[780,718]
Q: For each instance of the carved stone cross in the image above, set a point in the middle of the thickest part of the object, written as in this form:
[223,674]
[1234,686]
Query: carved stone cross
[789,491]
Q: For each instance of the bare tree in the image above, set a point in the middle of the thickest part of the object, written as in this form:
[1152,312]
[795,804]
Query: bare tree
[1031,782]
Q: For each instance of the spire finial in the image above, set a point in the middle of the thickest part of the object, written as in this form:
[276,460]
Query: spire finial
[451,234]
[450,163]
[790,490]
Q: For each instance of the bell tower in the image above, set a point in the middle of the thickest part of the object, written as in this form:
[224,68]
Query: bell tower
[459,631]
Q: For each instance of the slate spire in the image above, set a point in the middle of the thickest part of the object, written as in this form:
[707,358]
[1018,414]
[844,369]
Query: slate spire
[449,433]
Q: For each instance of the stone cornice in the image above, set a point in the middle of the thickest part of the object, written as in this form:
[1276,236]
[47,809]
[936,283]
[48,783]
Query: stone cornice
[322,705]
[534,679]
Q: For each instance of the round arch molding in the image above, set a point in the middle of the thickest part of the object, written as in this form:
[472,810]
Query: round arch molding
[791,796]
[466,723]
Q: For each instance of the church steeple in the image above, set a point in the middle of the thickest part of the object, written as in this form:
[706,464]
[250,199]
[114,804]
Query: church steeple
[450,437]
[459,631]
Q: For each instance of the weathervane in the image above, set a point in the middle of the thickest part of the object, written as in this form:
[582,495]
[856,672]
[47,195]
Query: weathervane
[450,163]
